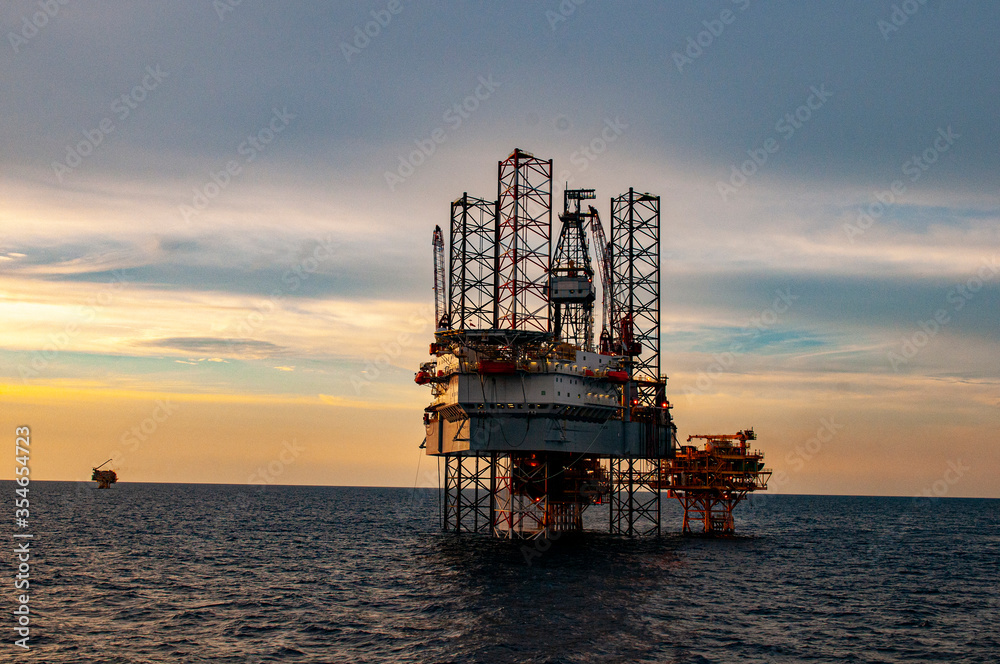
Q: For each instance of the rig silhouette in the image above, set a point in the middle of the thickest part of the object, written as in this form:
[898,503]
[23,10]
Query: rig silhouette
[104,478]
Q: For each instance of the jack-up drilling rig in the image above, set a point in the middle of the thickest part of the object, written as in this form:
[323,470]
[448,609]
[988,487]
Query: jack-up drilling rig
[533,422]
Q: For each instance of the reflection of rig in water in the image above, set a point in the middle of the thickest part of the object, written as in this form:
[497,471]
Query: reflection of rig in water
[534,421]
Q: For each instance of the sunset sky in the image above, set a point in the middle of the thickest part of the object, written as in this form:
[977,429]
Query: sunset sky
[215,224]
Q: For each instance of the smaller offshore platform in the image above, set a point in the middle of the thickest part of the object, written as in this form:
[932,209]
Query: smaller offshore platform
[538,417]
[710,482]
[104,478]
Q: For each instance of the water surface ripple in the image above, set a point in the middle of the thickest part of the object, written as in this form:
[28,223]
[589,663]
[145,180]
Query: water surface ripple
[199,573]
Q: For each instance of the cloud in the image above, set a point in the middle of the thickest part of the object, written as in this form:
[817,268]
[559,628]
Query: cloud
[889,96]
[284,263]
[342,402]
[244,348]
[101,264]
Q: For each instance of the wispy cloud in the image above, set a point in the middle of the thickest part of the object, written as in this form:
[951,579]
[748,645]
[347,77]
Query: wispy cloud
[214,346]
[237,302]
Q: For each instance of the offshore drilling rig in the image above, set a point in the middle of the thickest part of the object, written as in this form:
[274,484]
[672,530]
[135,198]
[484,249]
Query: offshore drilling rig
[535,419]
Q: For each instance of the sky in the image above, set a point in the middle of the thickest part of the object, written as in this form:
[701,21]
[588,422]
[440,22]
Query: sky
[216,218]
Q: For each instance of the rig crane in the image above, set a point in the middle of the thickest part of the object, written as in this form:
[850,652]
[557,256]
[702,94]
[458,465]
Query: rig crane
[440,293]
[604,258]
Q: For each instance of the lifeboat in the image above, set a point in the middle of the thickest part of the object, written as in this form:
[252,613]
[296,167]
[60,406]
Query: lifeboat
[617,376]
[422,378]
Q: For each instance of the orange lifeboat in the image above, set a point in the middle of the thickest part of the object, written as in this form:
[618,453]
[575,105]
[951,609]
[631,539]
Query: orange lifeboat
[422,378]
[617,376]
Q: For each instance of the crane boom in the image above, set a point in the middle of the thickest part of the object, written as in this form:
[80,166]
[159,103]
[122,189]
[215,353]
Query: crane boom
[742,436]
[440,308]
[604,258]
[103,464]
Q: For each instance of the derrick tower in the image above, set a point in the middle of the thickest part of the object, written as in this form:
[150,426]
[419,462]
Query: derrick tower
[523,242]
[572,276]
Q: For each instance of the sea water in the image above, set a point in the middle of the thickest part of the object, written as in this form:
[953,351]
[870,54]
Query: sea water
[223,573]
